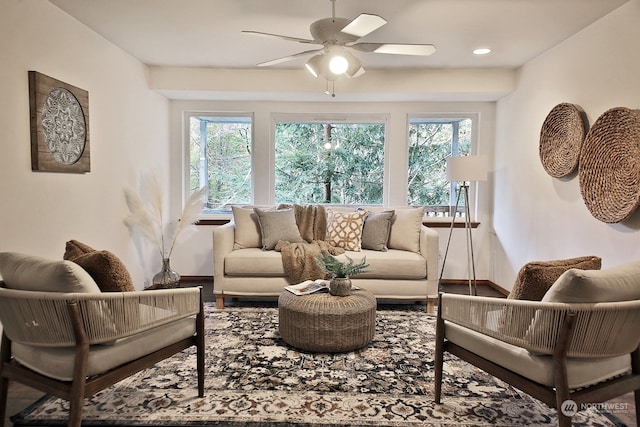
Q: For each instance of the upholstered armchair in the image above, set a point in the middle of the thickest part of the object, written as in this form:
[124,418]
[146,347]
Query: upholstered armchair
[73,345]
[564,348]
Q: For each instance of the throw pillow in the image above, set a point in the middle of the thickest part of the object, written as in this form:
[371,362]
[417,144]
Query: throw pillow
[592,286]
[247,232]
[106,269]
[535,278]
[277,225]
[376,229]
[33,273]
[344,229]
[74,249]
[405,229]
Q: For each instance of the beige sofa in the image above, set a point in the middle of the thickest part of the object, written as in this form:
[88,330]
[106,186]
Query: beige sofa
[406,270]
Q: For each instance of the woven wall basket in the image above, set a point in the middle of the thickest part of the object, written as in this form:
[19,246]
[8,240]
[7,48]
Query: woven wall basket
[609,169]
[561,138]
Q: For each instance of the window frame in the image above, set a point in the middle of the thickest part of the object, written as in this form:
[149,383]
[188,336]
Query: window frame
[474,149]
[377,118]
[186,163]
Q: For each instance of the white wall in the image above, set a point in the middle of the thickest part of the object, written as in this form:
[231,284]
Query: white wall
[128,134]
[537,217]
[194,256]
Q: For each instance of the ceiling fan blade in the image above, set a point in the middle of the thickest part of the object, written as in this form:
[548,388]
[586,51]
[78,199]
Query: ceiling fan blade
[278,36]
[364,24]
[287,58]
[396,49]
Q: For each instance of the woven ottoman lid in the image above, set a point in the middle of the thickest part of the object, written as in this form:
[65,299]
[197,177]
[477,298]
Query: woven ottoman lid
[561,138]
[609,168]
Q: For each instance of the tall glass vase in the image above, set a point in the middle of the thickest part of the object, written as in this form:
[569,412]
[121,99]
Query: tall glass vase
[166,278]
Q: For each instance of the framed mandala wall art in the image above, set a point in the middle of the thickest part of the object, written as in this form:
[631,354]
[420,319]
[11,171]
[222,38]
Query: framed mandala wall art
[59,125]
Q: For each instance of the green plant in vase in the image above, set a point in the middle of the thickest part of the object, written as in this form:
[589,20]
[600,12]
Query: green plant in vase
[340,272]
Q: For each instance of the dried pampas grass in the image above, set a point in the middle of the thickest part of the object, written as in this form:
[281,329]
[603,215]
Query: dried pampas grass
[146,215]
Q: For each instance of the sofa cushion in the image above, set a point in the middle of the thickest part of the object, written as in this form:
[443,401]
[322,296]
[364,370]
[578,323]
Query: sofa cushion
[405,229]
[344,229]
[376,229]
[535,278]
[619,283]
[33,273]
[393,264]
[247,228]
[277,225]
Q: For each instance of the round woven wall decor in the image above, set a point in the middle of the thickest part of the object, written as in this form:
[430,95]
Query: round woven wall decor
[561,138]
[609,169]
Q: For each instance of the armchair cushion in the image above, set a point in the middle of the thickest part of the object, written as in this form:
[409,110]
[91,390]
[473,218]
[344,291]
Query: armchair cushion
[33,273]
[58,362]
[535,278]
[581,372]
[592,286]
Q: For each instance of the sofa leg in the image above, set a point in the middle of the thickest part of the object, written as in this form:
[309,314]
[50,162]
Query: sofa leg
[430,306]
[219,302]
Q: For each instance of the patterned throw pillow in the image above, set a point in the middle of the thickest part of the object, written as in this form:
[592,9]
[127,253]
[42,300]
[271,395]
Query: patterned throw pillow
[344,229]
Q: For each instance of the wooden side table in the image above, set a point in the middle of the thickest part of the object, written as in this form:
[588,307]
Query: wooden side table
[325,323]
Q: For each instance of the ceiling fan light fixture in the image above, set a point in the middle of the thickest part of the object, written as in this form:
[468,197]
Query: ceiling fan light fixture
[314,66]
[338,64]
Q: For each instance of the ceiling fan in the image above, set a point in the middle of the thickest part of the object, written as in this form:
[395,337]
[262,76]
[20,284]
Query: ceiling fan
[336,35]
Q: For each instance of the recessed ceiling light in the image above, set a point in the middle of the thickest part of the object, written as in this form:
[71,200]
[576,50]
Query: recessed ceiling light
[482,51]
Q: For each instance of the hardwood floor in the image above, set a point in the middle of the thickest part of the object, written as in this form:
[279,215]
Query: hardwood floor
[21,396]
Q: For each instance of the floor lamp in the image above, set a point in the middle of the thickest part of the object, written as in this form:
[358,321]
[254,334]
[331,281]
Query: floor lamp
[465,169]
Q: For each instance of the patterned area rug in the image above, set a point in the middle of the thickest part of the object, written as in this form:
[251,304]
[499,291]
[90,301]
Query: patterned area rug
[255,379]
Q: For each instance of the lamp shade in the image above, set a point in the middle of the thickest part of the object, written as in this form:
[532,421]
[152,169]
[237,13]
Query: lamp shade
[467,168]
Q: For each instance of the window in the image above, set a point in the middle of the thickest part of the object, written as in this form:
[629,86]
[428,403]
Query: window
[328,162]
[220,149]
[431,141]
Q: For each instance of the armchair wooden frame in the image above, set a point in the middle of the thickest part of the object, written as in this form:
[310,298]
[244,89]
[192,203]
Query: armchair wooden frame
[569,331]
[79,320]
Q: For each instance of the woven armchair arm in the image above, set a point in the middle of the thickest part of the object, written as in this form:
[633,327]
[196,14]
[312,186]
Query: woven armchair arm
[600,330]
[43,318]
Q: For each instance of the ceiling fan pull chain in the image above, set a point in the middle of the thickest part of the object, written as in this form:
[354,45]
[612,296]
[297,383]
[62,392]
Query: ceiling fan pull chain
[333,9]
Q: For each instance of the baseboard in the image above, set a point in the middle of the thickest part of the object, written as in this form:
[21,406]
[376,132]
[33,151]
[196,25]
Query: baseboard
[479,282]
[489,283]
[196,278]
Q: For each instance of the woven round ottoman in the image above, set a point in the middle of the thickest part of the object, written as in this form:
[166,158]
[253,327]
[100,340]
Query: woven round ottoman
[325,323]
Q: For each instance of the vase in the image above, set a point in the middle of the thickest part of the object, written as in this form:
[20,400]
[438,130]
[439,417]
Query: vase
[340,286]
[166,278]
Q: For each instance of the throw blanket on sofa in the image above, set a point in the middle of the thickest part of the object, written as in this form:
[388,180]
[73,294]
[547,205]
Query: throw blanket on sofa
[299,259]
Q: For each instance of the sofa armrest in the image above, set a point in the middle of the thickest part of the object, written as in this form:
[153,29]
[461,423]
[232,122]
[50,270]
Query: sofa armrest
[429,249]
[223,239]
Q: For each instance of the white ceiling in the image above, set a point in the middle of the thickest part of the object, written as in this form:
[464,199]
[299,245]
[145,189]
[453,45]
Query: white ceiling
[207,33]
